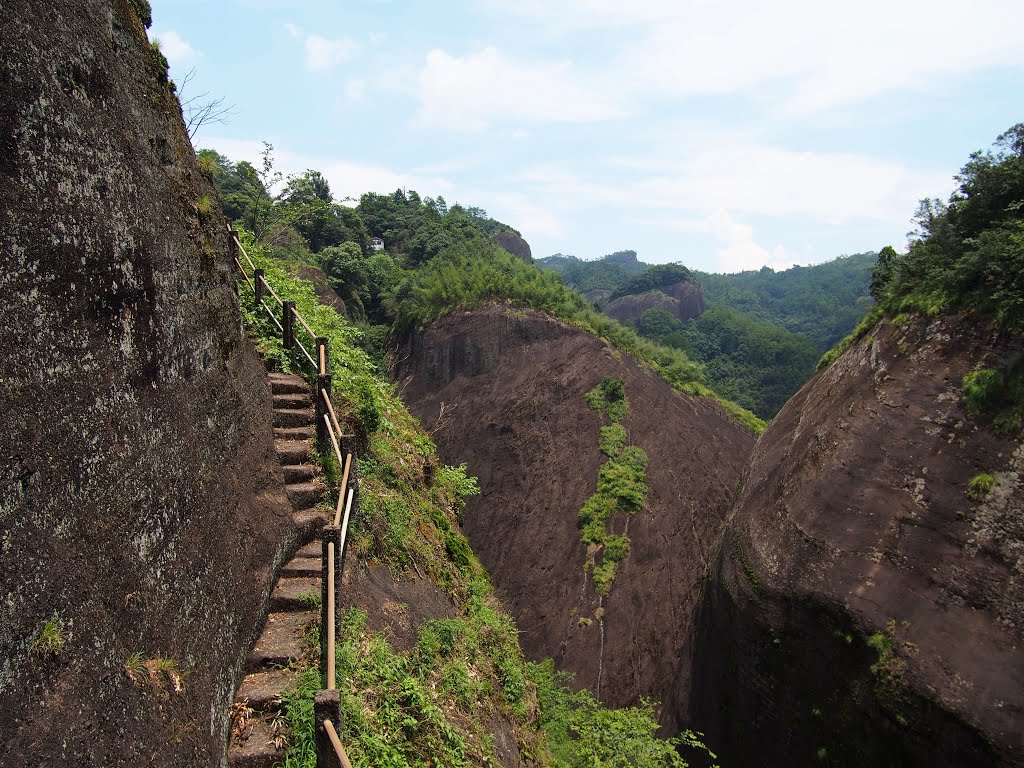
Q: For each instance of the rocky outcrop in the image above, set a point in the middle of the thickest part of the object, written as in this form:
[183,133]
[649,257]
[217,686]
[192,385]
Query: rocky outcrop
[865,608]
[504,391]
[684,300]
[514,244]
[324,290]
[141,507]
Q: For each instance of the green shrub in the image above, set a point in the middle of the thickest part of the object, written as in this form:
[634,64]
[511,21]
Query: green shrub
[613,439]
[582,733]
[979,486]
[981,389]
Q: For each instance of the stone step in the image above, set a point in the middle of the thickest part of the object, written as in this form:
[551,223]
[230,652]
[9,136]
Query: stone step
[292,434]
[261,691]
[256,744]
[293,400]
[310,521]
[280,641]
[310,550]
[303,566]
[293,594]
[298,473]
[292,451]
[293,417]
[304,495]
[287,383]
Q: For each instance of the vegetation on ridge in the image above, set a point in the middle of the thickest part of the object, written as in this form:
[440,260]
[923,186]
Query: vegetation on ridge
[438,258]
[966,255]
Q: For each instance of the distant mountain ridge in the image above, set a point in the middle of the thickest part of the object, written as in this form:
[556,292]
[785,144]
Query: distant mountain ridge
[759,333]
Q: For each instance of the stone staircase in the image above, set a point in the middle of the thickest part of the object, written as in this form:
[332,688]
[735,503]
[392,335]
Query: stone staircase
[258,733]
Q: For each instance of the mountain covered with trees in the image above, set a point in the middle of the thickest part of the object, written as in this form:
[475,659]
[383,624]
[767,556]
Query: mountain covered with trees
[758,333]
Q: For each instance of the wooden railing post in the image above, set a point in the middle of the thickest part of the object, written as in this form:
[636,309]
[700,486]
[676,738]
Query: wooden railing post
[326,706]
[323,384]
[330,534]
[260,286]
[323,437]
[288,324]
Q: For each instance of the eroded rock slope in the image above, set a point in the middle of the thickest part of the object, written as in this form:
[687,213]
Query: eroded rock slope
[141,506]
[504,390]
[865,609]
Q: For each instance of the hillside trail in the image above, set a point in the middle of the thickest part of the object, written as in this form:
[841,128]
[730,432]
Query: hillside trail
[258,730]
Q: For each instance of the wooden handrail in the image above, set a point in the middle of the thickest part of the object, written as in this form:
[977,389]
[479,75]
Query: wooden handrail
[330,410]
[305,325]
[336,743]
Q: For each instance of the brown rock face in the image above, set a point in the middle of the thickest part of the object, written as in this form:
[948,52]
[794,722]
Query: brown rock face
[510,387]
[141,507]
[515,245]
[324,290]
[864,606]
[684,300]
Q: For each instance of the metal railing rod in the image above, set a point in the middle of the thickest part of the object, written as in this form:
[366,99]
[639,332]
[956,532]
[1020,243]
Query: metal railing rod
[334,440]
[305,352]
[336,743]
[330,616]
[330,410]
[344,523]
[272,315]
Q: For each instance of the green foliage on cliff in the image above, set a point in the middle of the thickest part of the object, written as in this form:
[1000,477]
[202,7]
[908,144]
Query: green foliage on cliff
[606,273]
[968,253]
[583,734]
[621,486]
[463,279]
[439,259]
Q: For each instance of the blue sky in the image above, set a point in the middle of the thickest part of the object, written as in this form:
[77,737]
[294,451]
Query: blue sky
[723,135]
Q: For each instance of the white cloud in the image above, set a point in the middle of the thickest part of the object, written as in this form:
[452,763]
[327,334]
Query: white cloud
[323,54]
[735,249]
[175,48]
[822,54]
[355,89]
[832,187]
[469,93]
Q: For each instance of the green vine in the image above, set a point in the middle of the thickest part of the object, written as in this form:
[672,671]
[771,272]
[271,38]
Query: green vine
[621,486]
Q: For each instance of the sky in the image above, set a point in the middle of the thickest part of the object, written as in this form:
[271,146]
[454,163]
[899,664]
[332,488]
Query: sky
[723,135]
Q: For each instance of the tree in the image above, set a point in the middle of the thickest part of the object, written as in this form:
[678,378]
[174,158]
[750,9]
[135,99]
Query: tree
[200,110]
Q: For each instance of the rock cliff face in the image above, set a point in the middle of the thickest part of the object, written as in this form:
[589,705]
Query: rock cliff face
[684,300]
[141,506]
[504,391]
[864,607]
[515,245]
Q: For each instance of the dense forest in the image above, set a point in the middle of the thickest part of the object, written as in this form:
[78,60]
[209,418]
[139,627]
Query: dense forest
[763,330]
[435,258]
